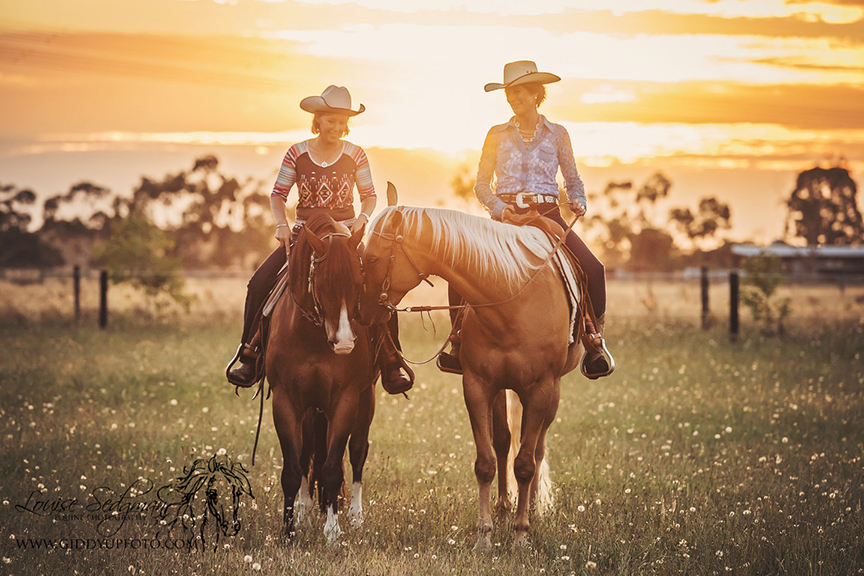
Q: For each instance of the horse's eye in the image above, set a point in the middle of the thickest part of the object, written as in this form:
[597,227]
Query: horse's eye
[371,259]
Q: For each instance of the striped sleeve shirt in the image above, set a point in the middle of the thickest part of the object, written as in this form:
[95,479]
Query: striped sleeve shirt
[325,185]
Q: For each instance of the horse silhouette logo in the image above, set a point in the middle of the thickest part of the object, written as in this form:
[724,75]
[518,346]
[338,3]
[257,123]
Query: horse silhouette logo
[203,504]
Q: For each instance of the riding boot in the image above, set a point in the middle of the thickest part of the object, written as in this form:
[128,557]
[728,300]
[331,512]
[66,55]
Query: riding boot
[249,355]
[595,364]
[245,375]
[249,352]
[396,376]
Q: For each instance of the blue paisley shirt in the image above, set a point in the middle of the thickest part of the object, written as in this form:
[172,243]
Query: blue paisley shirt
[517,167]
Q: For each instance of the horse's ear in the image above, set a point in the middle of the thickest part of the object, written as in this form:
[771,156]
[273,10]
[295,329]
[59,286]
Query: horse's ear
[316,243]
[392,195]
[357,237]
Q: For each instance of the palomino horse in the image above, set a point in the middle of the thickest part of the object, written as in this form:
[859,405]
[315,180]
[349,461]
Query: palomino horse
[319,361]
[514,334]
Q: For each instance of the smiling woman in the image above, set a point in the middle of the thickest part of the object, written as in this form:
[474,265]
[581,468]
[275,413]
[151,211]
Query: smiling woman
[741,88]
[325,170]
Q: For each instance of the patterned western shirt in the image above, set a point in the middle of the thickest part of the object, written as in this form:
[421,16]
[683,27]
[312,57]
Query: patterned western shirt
[517,167]
[325,186]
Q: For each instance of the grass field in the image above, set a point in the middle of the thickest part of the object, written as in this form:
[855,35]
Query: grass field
[698,456]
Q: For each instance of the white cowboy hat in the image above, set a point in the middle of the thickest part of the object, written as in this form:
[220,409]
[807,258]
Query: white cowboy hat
[522,72]
[334,99]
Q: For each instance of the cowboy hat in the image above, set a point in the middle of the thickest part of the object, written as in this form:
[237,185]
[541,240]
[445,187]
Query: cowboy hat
[334,99]
[522,72]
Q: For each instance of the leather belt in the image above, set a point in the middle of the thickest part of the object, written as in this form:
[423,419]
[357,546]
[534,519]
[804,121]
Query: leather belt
[528,199]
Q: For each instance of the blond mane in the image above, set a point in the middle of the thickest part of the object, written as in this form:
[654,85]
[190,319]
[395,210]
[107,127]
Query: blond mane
[491,249]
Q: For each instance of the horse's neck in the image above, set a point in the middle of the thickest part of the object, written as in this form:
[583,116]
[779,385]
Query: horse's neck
[478,286]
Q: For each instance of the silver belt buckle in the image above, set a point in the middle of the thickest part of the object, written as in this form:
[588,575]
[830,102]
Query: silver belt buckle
[519,200]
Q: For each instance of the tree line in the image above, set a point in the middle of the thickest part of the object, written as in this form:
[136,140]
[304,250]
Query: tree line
[203,218]
[631,231]
[196,218]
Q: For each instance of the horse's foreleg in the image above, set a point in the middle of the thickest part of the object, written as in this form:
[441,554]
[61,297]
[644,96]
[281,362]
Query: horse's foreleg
[541,486]
[340,424]
[358,449]
[501,443]
[538,411]
[303,502]
[479,403]
[289,430]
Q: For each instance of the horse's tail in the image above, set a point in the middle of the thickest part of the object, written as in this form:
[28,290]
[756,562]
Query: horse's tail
[543,503]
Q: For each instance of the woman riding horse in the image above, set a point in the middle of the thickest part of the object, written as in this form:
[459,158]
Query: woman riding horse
[523,156]
[325,170]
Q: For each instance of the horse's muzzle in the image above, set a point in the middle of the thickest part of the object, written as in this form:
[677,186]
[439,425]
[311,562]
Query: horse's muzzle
[342,347]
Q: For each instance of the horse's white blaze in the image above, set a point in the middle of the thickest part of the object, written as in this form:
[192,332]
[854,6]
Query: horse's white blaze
[344,341]
[303,502]
[545,496]
[331,527]
[355,510]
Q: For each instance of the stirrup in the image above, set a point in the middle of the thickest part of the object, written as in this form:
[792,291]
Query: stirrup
[604,353]
[448,363]
[254,362]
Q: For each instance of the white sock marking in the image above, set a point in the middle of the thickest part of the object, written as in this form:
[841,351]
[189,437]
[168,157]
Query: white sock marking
[331,527]
[355,510]
[303,502]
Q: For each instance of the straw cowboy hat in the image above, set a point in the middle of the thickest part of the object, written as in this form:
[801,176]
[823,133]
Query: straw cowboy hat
[334,99]
[522,72]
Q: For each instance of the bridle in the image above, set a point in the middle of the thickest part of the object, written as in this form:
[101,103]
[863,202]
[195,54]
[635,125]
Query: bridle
[316,316]
[397,239]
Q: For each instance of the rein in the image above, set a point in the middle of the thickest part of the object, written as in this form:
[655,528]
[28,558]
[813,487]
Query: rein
[398,239]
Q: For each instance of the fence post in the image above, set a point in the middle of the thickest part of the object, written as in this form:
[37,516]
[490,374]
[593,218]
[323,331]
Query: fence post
[706,313]
[76,285]
[103,298]
[733,305]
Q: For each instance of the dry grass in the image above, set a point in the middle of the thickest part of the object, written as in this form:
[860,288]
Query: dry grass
[696,457]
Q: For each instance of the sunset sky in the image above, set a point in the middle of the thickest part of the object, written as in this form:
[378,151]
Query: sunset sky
[728,97]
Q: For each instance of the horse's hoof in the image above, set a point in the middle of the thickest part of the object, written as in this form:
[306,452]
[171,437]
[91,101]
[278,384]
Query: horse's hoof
[333,536]
[332,531]
[521,542]
[484,543]
[355,519]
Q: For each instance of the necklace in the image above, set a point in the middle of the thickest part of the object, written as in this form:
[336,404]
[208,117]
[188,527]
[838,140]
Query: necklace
[531,138]
[324,163]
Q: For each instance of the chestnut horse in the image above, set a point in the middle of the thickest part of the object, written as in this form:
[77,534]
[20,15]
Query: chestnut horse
[319,362]
[515,332]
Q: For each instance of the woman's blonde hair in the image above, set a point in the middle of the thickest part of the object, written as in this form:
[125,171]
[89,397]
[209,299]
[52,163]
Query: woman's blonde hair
[316,124]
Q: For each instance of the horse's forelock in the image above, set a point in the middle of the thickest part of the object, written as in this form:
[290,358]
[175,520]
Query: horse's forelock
[339,273]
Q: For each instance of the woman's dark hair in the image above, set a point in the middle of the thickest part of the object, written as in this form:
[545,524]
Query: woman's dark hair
[316,124]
